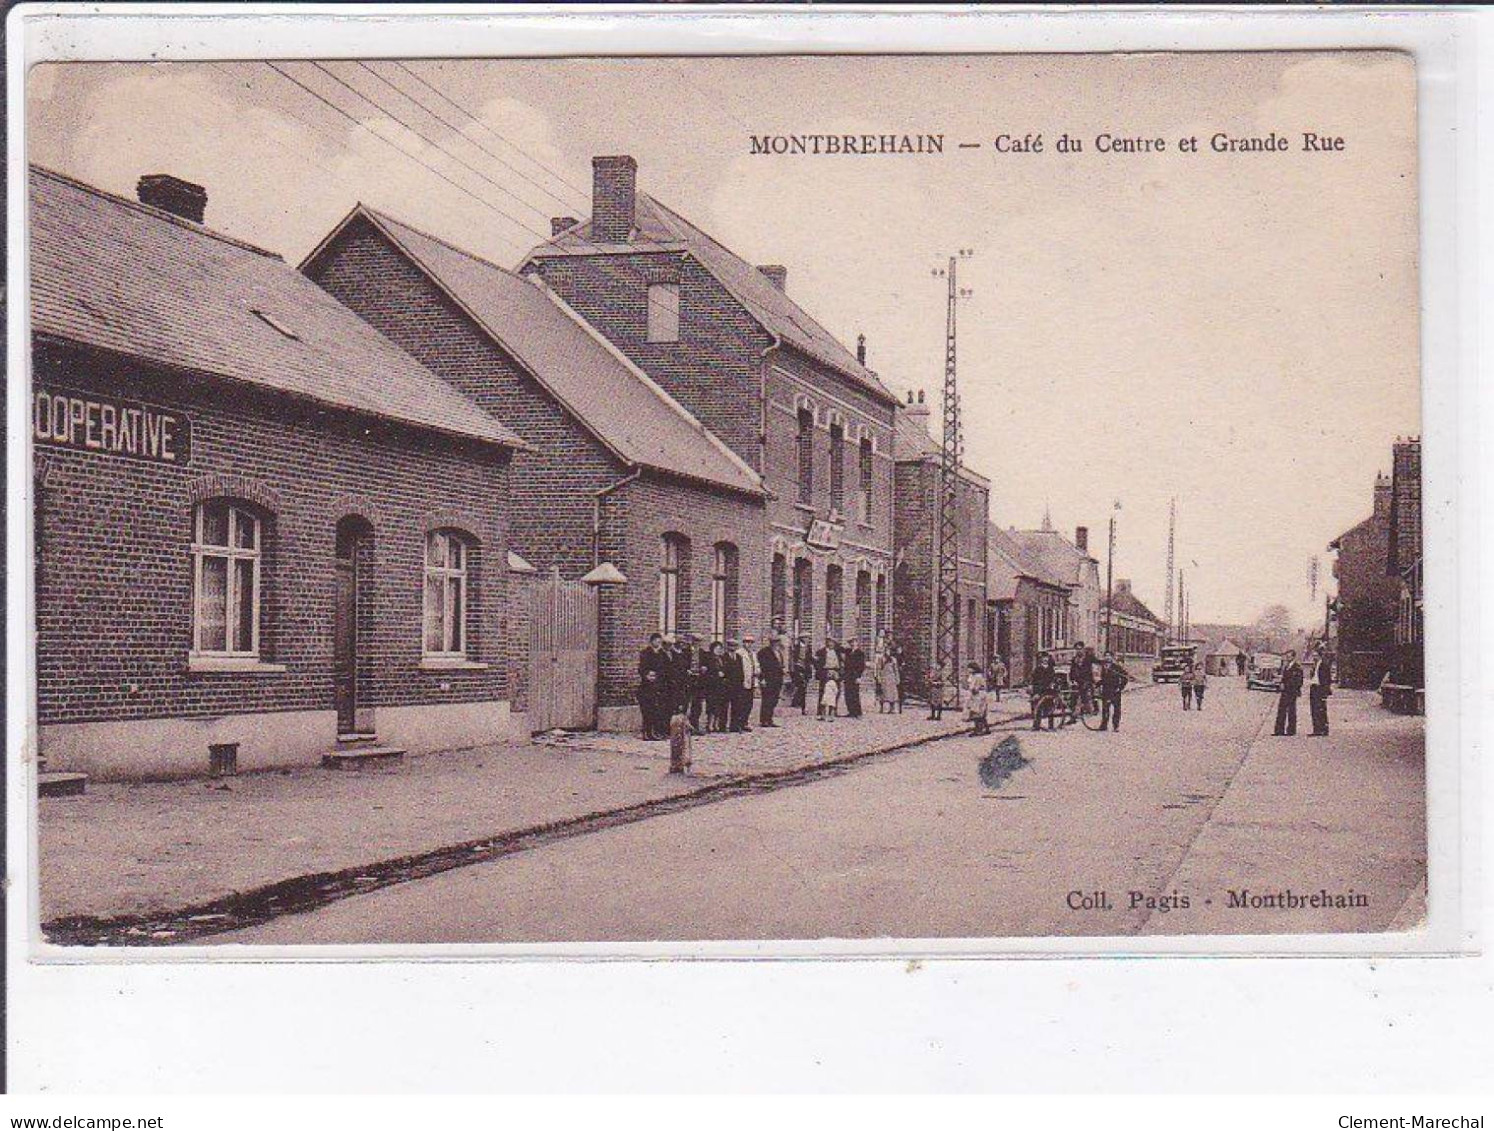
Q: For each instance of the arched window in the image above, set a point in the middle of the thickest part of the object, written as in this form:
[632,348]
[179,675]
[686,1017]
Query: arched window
[227,543]
[837,466]
[803,596]
[806,455]
[778,593]
[864,467]
[674,556]
[834,602]
[724,592]
[865,631]
[446,560]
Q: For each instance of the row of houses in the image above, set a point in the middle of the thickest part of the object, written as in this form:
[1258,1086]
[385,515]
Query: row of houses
[1377,622]
[402,490]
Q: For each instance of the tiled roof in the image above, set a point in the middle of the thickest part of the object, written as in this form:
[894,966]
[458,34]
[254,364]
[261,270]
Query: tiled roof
[116,275]
[611,396]
[1129,604]
[1007,562]
[1060,557]
[658,227]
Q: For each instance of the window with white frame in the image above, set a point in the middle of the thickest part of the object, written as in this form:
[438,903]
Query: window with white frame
[724,592]
[664,312]
[445,594]
[672,553]
[226,550]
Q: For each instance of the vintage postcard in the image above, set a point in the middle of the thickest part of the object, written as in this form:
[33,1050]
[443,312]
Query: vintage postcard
[685,500]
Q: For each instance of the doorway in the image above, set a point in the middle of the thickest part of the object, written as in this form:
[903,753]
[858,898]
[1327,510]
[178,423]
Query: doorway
[351,568]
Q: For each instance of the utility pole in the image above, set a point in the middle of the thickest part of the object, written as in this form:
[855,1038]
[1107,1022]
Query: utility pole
[1172,519]
[1182,610]
[952,454]
[1110,582]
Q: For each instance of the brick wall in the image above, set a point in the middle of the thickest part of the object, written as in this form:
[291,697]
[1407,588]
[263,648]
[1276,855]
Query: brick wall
[553,486]
[636,518]
[715,367]
[114,576]
[1368,601]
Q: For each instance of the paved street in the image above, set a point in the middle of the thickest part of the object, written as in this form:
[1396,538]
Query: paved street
[138,848]
[1097,834]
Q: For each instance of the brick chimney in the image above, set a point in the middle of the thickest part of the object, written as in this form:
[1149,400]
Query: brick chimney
[614,198]
[1122,585]
[560,224]
[1382,496]
[777,274]
[917,411]
[1081,539]
[860,349]
[174,195]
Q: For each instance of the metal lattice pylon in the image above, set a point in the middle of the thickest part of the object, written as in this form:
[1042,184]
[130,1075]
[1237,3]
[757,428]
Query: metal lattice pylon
[1172,518]
[951,455]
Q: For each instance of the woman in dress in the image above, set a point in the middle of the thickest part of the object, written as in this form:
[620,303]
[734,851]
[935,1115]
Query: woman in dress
[891,684]
[975,684]
[830,677]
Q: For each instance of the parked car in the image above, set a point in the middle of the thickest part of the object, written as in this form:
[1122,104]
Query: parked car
[1172,661]
[1264,672]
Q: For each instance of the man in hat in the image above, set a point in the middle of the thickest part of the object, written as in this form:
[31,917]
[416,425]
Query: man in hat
[855,668]
[770,666]
[1113,680]
[741,683]
[653,675]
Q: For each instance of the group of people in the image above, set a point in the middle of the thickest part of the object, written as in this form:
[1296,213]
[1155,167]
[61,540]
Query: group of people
[714,685]
[1319,688]
[1091,679]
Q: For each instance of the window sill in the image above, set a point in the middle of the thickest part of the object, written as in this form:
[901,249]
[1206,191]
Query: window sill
[244,665]
[444,664]
[807,508]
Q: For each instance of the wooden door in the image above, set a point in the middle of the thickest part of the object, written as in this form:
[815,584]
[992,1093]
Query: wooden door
[563,656]
[345,644]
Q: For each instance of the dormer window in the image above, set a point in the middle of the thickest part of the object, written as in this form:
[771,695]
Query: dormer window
[664,312]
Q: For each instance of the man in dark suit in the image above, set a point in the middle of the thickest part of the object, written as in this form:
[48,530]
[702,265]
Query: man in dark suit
[855,668]
[1318,691]
[770,668]
[653,688]
[1291,691]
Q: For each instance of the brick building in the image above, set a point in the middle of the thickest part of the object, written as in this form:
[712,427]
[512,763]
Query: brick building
[1368,594]
[257,520]
[915,588]
[616,470]
[1080,573]
[1404,565]
[1029,604]
[725,340]
[1136,633]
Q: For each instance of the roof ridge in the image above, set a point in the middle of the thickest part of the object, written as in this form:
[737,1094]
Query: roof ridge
[447,244]
[154,212]
[648,382]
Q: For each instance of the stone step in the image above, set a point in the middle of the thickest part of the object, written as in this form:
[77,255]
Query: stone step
[361,756]
[60,784]
[350,738]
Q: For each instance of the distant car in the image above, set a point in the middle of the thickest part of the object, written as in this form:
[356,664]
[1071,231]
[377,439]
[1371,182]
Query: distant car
[1172,661]
[1264,672]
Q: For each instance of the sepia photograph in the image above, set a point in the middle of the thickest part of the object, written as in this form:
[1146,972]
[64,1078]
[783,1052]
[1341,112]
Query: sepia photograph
[684,500]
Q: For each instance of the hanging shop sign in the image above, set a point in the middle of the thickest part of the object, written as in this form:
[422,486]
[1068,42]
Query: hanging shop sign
[89,422]
[823,535]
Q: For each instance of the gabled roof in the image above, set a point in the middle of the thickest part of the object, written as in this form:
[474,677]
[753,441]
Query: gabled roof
[911,442]
[595,382]
[1128,604]
[1060,557]
[659,228]
[1227,648]
[1007,563]
[113,274]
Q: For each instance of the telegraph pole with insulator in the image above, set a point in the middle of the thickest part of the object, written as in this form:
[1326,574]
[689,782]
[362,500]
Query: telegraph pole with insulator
[952,454]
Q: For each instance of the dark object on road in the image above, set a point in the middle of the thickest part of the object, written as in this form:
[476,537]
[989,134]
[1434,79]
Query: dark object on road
[1173,661]
[679,744]
[1002,762]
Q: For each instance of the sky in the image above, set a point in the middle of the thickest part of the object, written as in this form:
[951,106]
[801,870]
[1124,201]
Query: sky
[1239,332]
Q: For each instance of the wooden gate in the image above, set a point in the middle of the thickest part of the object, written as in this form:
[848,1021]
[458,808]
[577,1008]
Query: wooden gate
[562,655]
